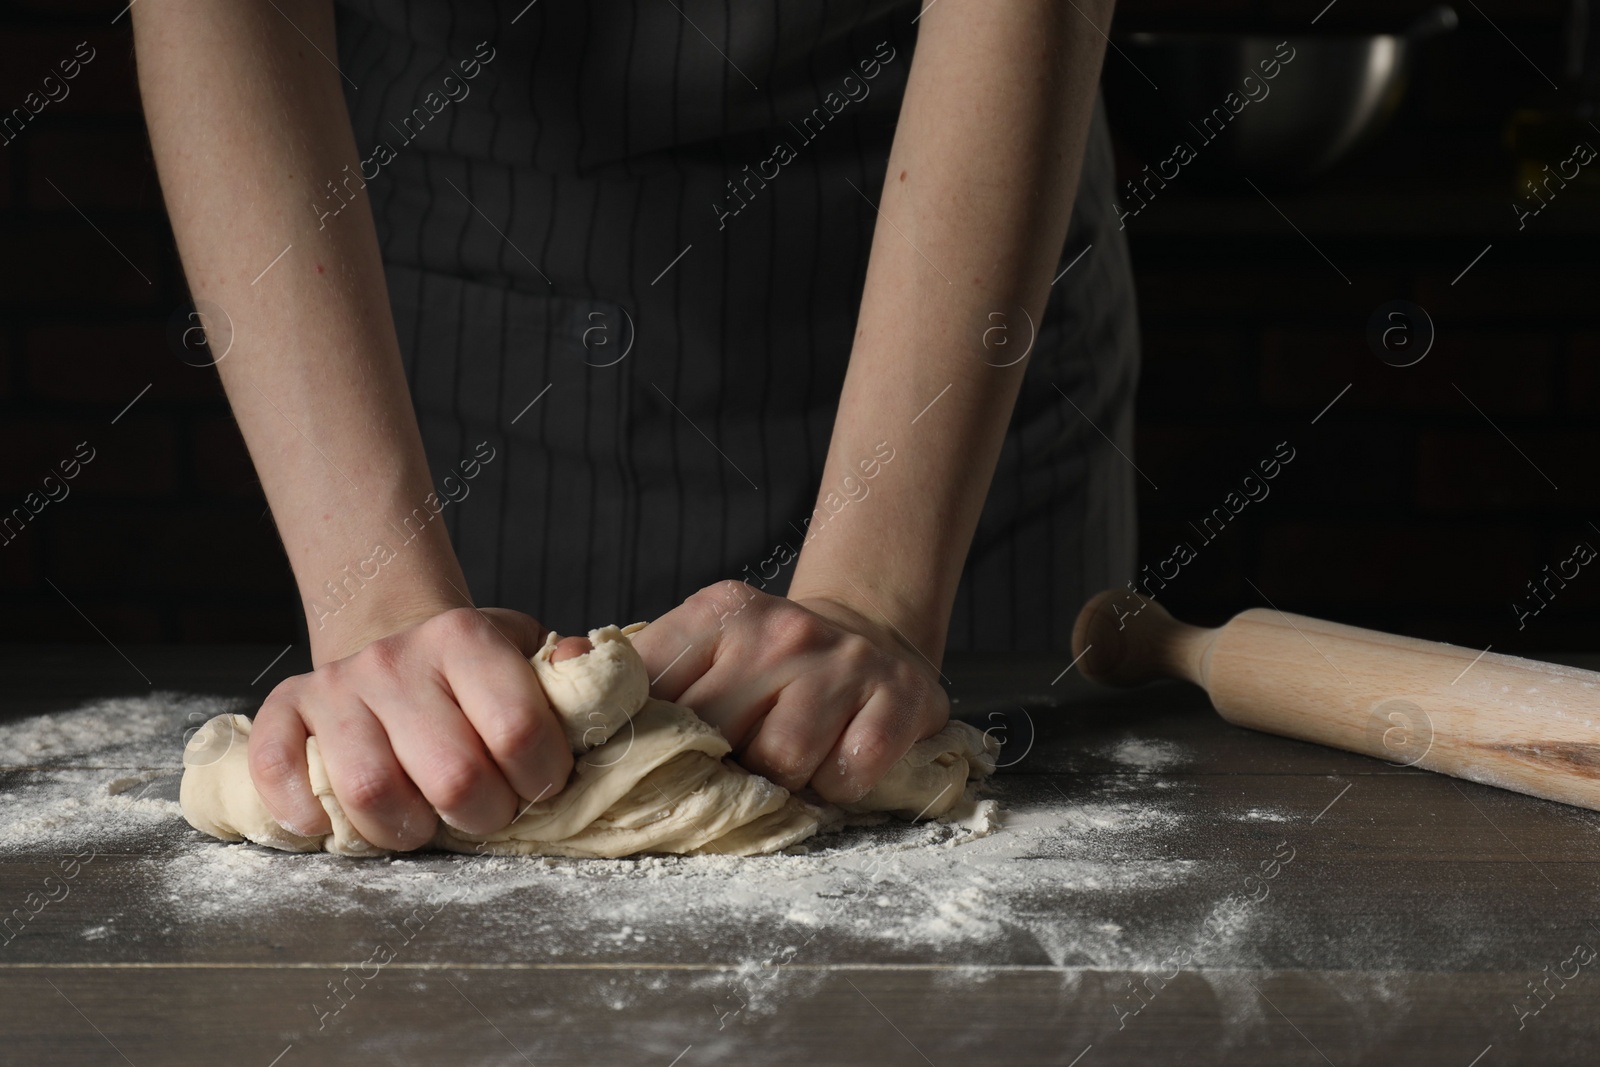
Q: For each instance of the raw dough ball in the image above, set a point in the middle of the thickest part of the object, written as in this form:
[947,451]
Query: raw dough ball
[650,777]
[596,691]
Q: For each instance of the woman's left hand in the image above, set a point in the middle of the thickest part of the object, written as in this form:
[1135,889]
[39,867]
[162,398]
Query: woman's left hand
[808,691]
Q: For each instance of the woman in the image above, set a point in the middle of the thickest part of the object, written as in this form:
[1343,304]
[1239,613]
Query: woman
[683,292]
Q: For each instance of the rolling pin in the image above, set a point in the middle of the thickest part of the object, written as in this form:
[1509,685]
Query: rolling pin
[1500,720]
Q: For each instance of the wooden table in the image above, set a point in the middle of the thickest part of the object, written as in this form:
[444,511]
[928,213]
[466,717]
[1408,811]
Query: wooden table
[1133,913]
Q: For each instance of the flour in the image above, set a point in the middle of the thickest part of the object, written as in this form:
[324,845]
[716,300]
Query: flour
[1061,884]
[67,810]
[143,731]
[1146,755]
[1048,871]
[64,792]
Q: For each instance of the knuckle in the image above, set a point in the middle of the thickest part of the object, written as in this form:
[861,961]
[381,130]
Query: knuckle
[454,783]
[876,747]
[370,791]
[382,657]
[725,589]
[457,624]
[283,694]
[858,655]
[719,600]
[276,711]
[863,761]
[781,754]
[516,736]
[272,764]
[790,633]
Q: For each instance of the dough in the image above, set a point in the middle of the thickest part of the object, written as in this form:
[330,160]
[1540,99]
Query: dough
[649,776]
[597,691]
[932,778]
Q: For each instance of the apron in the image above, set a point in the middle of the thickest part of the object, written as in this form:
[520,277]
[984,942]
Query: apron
[625,249]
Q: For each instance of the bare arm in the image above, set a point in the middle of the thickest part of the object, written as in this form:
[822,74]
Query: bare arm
[974,212]
[247,122]
[832,685]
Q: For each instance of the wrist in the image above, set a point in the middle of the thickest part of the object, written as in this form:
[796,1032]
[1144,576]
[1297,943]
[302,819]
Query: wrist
[379,595]
[909,624]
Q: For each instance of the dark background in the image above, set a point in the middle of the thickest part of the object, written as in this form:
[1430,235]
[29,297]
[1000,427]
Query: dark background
[1405,509]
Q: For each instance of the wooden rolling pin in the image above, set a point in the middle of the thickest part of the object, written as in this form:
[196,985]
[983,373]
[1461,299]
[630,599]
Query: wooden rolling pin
[1514,723]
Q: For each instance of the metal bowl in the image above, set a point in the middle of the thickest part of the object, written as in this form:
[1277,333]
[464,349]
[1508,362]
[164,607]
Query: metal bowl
[1325,96]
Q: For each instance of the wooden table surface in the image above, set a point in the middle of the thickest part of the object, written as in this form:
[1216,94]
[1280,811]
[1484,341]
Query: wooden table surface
[1129,912]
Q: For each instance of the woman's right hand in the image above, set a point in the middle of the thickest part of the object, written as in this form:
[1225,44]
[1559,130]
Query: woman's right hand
[445,715]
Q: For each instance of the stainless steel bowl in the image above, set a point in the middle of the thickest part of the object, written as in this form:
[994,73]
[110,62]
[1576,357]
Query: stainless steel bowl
[1211,92]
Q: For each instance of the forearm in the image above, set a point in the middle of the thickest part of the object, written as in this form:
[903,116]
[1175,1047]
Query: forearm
[972,216]
[247,122]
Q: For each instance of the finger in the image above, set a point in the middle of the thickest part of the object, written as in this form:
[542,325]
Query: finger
[378,798]
[752,666]
[500,696]
[803,726]
[893,719]
[682,645]
[570,648]
[737,715]
[278,768]
[442,754]
[831,671]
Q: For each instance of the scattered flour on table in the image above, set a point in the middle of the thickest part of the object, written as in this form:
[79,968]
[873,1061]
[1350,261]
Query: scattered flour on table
[1072,878]
[1053,887]
[1146,755]
[1096,872]
[72,810]
[67,792]
[144,731]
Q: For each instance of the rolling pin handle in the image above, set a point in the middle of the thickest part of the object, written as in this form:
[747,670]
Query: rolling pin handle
[1125,639]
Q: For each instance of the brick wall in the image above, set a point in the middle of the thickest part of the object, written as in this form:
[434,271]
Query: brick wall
[1404,508]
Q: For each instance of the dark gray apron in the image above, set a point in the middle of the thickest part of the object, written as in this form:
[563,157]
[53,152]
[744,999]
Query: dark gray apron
[602,264]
